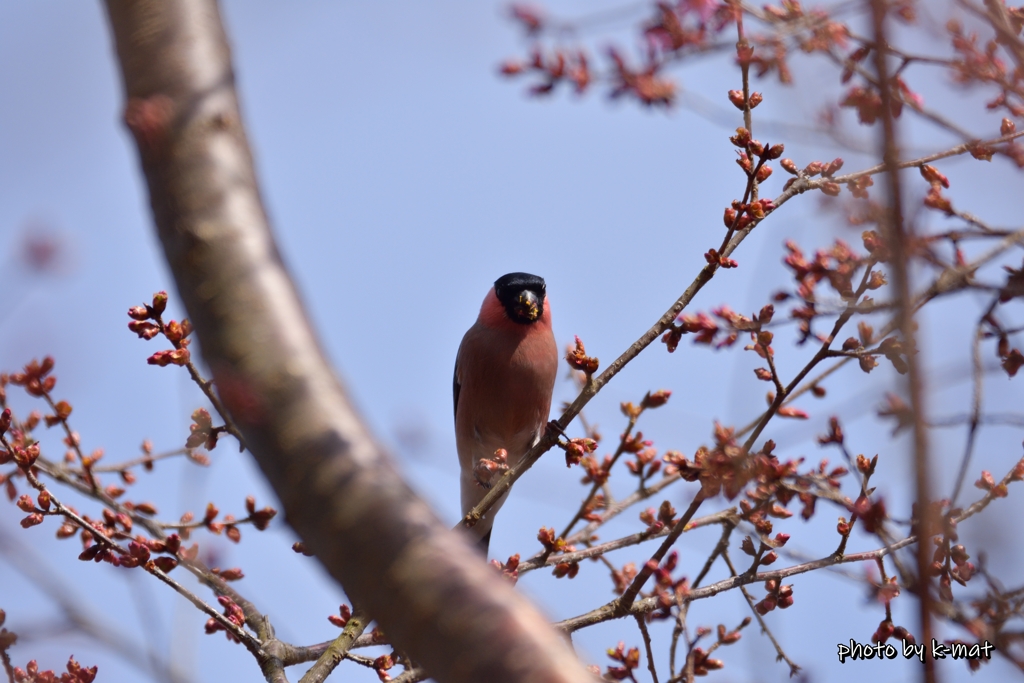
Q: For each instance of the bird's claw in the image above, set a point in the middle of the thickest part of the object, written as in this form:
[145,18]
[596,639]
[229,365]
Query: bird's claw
[553,430]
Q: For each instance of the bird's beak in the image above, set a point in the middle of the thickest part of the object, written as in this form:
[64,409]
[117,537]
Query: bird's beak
[528,305]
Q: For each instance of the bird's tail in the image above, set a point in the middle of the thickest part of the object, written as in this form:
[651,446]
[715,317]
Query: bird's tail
[485,542]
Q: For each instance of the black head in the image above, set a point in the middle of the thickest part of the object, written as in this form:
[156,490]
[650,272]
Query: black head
[522,295]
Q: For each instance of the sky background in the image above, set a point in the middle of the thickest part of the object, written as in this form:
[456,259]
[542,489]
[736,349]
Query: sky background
[402,172]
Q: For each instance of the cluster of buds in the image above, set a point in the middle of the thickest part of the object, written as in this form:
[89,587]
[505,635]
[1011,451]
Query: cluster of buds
[1010,358]
[778,596]
[753,157]
[659,520]
[232,612]
[201,431]
[510,570]
[739,216]
[826,35]
[776,483]
[876,246]
[623,578]
[706,328]
[769,54]
[260,519]
[700,660]
[555,544]
[867,100]
[950,563]
[827,171]
[837,266]
[936,181]
[723,469]
[982,64]
[35,377]
[721,260]
[887,630]
[871,513]
[529,17]
[551,542]
[669,33]
[890,347]
[742,102]
[703,662]
[646,464]
[342,617]
[579,360]
[382,664]
[596,473]
[577,449]
[764,554]
[75,673]
[590,513]
[646,85]
[23,456]
[986,482]
[175,332]
[763,347]
[655,399]
[569,67]
[629,660]
[667,591]
[486,469]
[566,569]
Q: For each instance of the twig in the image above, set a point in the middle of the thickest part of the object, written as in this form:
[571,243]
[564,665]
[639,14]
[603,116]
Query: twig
[128,464]
[976,395]
[780,654]
[642,624]
[917,163]
[336,651]
[630,594]
[413,675]
[726,517]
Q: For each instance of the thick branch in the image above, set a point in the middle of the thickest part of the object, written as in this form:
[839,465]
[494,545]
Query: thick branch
[426,587]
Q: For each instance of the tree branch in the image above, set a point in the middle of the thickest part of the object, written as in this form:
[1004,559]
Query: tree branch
[425,586]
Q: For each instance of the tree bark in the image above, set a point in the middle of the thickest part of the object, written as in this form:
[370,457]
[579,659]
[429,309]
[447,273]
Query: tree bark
[430,592]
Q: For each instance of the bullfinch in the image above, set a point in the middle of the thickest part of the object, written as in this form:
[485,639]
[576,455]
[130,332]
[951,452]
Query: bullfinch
[504,375]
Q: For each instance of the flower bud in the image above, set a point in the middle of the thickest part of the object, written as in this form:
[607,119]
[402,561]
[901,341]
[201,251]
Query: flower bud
[741,138]
[729,218]
[832,167]
[159,302]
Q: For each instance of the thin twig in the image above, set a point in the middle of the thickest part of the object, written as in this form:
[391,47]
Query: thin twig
[978,380]
[725,517]
[645,572]
[780,654]
[641,622]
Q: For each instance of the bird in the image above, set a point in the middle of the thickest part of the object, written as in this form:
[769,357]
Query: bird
[504,376]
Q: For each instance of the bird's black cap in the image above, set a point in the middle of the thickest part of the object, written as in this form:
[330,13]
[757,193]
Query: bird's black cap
[522,296]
